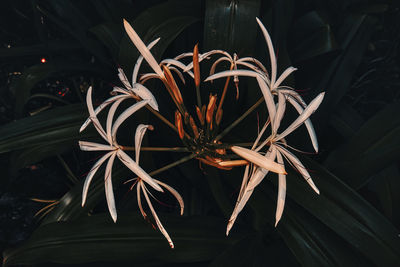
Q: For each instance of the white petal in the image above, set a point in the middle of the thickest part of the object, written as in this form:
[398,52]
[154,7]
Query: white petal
[206,55]
[248,73]
[100,108]
[126,114]
[145,77]
[281,192]
[178,73]
[92,114]
[158,222]
[290,91]
[255,61]
[90,146]
[174,193]
[252,67]
[260,134]
[145,94]
[133,166]
[140,60]
[143,49]
[140,131]
[299,166]
[214,65]
[110,117]
[123,78]
[91,174]
[310,109]
[279,111]
[109,188]
[284,75]
[260,174]
[269,99]
[270,50]
[308,123]
[258,159]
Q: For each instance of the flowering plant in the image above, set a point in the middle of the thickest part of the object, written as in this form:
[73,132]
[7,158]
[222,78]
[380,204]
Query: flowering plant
[201,136]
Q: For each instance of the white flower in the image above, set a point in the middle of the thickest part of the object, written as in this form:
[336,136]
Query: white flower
[109,135]
[141,187]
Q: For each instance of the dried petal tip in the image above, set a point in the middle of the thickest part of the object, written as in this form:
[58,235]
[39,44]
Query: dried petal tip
[258,159]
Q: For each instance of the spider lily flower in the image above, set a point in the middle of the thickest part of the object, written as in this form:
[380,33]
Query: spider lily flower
[141,187]
[113,150]
[276,151]
[134,90]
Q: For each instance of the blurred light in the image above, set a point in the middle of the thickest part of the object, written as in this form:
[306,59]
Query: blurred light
[43,60]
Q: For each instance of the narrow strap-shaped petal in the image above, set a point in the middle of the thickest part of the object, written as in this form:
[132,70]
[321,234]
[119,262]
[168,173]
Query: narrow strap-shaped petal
[133,166]
[92,114]
[256,62]
[110,117]
[140,60]
[174,193]
[100,108]
[290,91]
[269,99]
[284,75]
[123,78]
[108,188]
[91,174]
[139,198]
[126,114]
[252,67]
[310,109]
[299,166]
[270,50]
[260,173]
[145,77]
[176,63]
[215,64]
[229,73]
[143,49]
[258,159]
[145,94]
[179,73]
[307,122]
[279,111]
[260,134]
[90,146]
[281,191]
[158,222]
[206,55]
[140,131]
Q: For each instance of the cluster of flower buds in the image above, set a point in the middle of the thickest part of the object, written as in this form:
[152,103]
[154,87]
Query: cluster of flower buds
[199,133]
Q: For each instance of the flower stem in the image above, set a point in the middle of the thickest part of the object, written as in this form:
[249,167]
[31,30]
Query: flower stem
[238,120]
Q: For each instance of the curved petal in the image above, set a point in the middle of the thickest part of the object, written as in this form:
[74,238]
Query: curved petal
[270,50]
[109,188]
[258,159]
[284,75]
[145,94]
[123,78]
[299,166]
[307,122]
[279,112]
[140,60]
[92,114]
[100,108]
[91,174]
[269,99]
[158,222]
[281,191]
[133,166]
[90,146]
[126,114]
[174,193]
[310,109]
[143,49]
[228,73]
[110,117]
[140,131]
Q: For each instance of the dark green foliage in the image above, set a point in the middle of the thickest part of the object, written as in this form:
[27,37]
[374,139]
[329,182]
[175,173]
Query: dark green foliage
[349,49]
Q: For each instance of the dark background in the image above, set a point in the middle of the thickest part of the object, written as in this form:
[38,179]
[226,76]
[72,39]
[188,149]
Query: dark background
[51,51]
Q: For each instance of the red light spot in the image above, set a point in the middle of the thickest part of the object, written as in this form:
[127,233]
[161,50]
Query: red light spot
[43,60]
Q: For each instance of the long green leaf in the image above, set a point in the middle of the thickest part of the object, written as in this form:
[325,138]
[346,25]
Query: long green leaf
[97,238]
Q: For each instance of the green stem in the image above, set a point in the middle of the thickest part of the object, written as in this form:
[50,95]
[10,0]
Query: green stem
[238,120]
